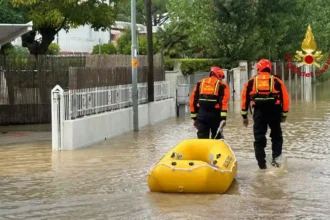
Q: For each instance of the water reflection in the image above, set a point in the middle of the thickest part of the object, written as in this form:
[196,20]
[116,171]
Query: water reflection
[108,180]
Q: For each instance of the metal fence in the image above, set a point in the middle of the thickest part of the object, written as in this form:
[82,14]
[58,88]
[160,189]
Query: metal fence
[85,102]
[26,81]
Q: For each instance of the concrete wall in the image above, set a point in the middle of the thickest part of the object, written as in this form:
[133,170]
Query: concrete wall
[176,78]
[82,132]
[243,67]
[226,75]
[81,39]
[254,69]
[235,83]
[173,77]
[159,111]
[238,77]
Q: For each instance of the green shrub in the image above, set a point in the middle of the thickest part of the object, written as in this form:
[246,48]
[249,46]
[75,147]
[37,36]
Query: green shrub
[325,76]
[107,48]
[53,49]
[143,45]
[21,51]
[190,66]
[169,64]
[15,55]
[124,43]
[10,50]
[7,49]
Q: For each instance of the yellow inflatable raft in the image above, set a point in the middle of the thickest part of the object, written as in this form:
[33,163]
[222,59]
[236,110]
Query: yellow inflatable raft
[195,166]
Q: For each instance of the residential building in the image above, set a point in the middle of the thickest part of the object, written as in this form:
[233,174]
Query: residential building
[84,38]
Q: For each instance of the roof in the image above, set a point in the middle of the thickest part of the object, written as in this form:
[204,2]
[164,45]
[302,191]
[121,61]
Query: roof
[123,25]
[140,27]
[154,29]
[9,32]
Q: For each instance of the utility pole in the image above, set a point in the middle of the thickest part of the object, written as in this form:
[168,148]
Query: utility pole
[150,52]
[134,68]
[110,4]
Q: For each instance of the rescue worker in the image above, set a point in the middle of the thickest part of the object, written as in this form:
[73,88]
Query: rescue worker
[270,101]
[209,103]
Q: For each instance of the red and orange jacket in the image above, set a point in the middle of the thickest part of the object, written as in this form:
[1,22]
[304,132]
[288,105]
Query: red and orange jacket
[210,95]
[265,83]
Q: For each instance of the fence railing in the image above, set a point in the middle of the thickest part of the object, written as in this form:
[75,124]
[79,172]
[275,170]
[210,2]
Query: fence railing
[77,103]
[85,102]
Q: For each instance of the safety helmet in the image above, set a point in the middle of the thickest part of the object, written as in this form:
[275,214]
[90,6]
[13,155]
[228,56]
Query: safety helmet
[217,72]
[263,64]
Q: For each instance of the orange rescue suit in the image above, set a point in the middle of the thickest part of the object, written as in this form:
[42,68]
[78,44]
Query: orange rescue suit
[209,95]
[265,90]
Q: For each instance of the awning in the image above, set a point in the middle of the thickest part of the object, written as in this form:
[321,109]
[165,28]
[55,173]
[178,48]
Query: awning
[9,32]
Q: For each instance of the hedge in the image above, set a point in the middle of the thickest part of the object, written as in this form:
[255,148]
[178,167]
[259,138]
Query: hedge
[190,66]
[107,48]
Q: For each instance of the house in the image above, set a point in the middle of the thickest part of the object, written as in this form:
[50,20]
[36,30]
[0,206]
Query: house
[119,26]
[84,38]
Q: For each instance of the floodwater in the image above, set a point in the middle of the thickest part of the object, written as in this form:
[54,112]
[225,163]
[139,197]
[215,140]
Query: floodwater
[108,180]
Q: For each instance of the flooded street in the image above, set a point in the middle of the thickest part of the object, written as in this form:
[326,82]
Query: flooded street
[109,179]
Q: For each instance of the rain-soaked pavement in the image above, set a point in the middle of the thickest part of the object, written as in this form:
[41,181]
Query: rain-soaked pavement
[108,180]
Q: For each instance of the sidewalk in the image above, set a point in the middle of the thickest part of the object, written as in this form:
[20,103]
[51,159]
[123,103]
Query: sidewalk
[19,134]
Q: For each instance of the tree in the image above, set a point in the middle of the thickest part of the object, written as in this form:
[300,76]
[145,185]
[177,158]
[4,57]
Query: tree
[49,17]
[173,41]
[235,30]
[276,20]
[124,43]
[158,11]
[248,30]
[238,29]
[192,29]
[317,14]
[143,47]
[10,15]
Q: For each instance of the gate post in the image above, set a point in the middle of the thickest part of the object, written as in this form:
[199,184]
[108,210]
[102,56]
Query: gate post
[57,105]
[182,92]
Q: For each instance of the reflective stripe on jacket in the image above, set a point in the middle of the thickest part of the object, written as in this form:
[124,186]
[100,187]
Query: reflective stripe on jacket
[262,87]
[210,92]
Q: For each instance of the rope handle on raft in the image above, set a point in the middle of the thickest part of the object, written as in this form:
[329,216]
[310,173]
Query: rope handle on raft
[220,130]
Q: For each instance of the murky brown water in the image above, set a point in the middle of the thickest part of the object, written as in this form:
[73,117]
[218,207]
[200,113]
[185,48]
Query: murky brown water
[108,180]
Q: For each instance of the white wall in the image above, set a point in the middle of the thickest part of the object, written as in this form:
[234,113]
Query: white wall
[84,38]
[254,69]
[235,83]
[238,79]
[243,72]
[172,77]
[159,111]
[226,75]
[82,132]
[81,39]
